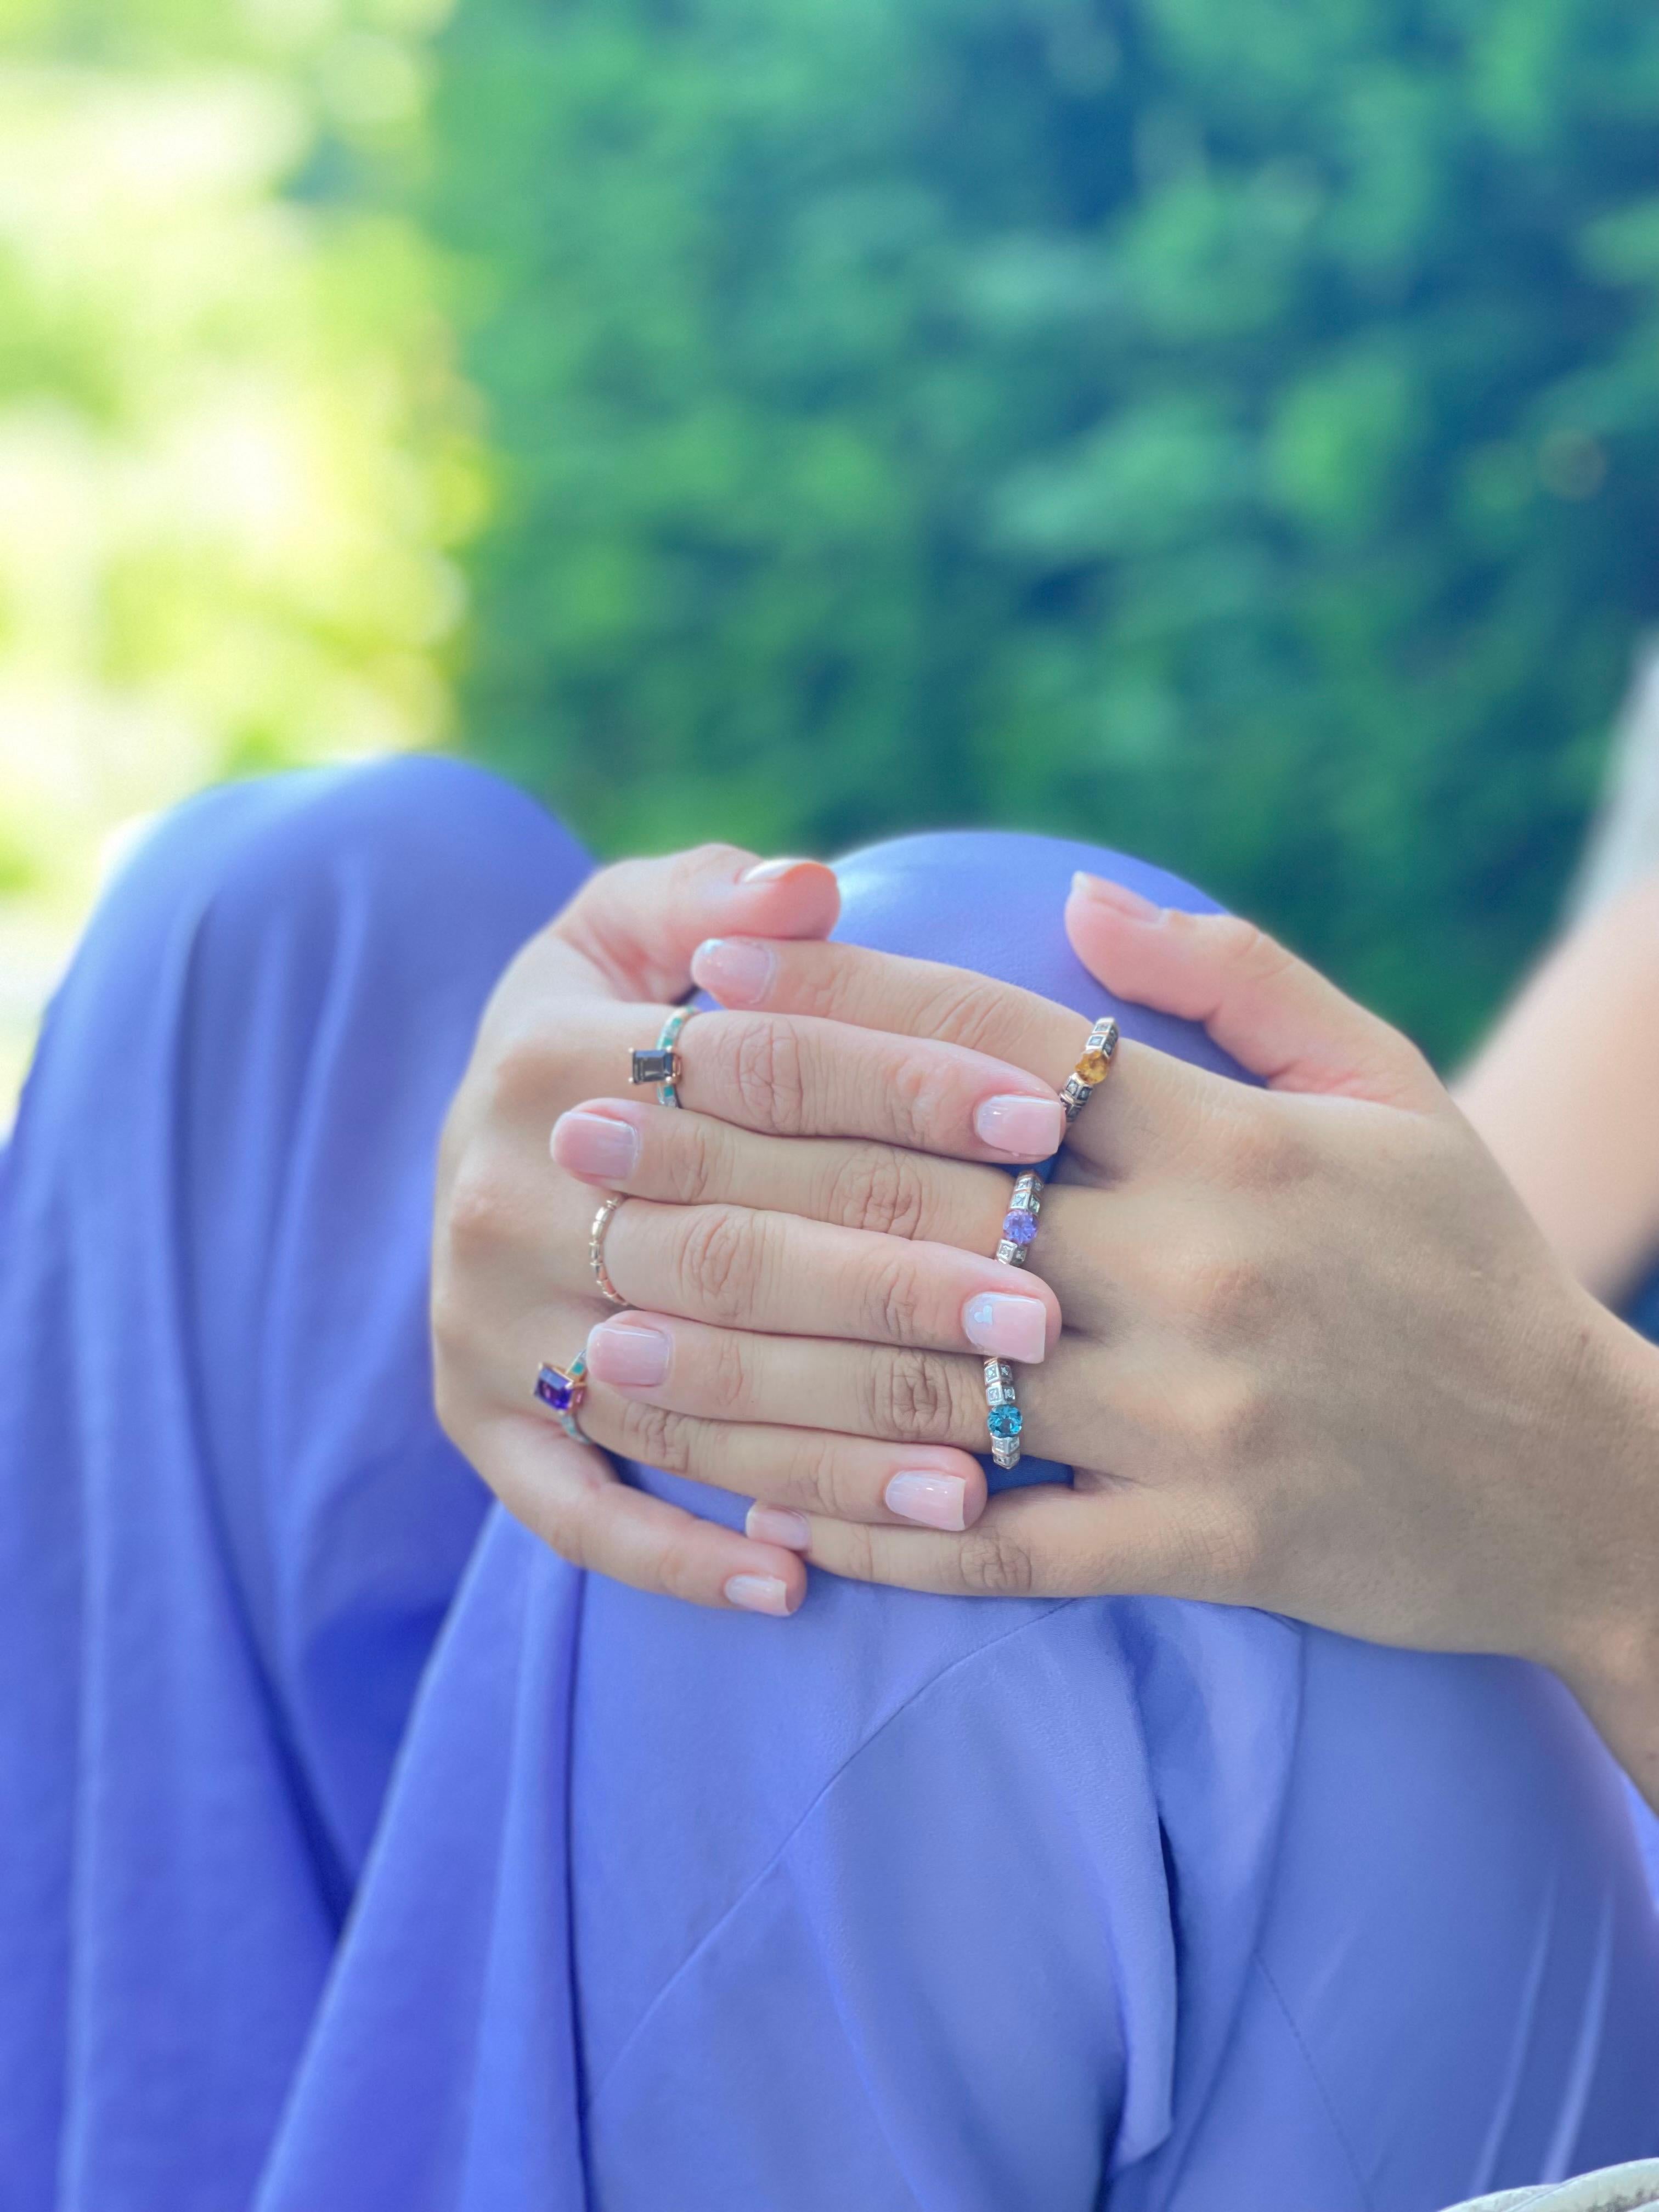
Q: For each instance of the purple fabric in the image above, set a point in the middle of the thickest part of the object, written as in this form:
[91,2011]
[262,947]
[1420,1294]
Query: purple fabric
[358,1854]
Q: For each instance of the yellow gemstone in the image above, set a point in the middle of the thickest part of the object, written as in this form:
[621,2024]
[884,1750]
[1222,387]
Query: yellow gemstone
[1093,1069]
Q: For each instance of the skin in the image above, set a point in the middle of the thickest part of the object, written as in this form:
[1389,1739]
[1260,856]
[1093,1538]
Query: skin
[1317,1355]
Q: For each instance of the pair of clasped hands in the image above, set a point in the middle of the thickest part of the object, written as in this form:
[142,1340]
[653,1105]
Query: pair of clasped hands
[1302,1346]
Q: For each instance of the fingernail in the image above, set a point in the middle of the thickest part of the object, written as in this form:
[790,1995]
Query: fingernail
[1011,1327]
[1024,1128]
[757,1593]
[735,970]
[767,872]
[623,1352]
[1104,892]
[594,1145]
[777,1524]
[938,1501]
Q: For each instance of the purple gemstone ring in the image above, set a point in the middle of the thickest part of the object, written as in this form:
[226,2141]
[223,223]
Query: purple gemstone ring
[1019,1224]
[562,1389]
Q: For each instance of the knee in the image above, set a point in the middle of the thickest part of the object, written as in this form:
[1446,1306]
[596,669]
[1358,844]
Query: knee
[993,901]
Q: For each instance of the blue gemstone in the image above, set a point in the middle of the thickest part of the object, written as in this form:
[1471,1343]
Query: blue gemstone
[1020,1228]
[1004,1421]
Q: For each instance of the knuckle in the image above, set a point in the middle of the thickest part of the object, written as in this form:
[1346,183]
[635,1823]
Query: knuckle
[654,1436]
[724,1365]
[691,1158]
[564,1529]
[893,1299]
[719,1262]
[918,1096]
[911,1397]
[1264,1153]
[823,1481]
[525,1074]
[964,1010]
[481,1211]
[770,1078]
[994,1564]
[1235,1423]
[1247,949]
[1233,1297]
[880,1188]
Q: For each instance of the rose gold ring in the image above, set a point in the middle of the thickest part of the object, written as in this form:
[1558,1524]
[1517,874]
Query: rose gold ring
[596,1236]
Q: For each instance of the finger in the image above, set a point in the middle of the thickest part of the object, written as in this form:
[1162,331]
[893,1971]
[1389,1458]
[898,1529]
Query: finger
[901,1395]
[797,1076]
[637,923]
[1048,1540]
[792,1473]
[1152,1097]
[1277,1016]
[692,1159]
[742,1269]
[568,1495]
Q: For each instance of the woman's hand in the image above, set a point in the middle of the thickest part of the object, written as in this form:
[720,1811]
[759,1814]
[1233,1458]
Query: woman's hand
[511,1285]
[1317,1357]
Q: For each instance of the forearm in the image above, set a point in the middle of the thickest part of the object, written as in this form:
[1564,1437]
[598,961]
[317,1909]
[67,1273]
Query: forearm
[1564,1093]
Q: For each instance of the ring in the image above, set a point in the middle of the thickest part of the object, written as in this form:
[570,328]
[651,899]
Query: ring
[1002,1414]
[1019,1224]
[1092,1070]
[662,1064]
[563,1388]
[596,1248]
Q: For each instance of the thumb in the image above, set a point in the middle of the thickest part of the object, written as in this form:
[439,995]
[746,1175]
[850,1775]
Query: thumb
[638,923]
[1277,1017]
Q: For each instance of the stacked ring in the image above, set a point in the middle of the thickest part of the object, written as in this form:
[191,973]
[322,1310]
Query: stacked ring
[596,1248]
[562,1389]
[661,1063]
[1002,1414]
[1019,1224]
[1092,1070]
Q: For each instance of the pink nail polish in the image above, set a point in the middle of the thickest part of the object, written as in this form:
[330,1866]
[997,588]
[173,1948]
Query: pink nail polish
[736,970]
[777,1524]
[595,1145]
[1024,1128]
[627,1352]
[937,1501]
[757,1593]
[1103,892]
[769,872]
[1011,1327]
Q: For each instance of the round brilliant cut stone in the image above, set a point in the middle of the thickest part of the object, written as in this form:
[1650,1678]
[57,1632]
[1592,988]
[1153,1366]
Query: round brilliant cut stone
[1004,1420]
[1094,1067]
[1020,1228]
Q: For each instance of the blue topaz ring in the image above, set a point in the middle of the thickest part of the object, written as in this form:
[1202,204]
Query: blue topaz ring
[1019,1224]
[562,1390]
[1002,1413]
[1092,1069]
[662,1065]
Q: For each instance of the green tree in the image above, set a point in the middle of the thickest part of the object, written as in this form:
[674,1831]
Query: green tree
[1228,430]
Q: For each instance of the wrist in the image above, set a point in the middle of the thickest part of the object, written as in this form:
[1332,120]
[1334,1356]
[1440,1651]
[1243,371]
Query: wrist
[1606,1639]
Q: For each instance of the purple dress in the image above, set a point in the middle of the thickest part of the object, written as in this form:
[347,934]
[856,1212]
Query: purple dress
[359,1856]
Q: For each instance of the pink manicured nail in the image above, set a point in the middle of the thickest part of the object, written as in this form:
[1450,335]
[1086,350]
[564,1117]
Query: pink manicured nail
[938,1501]
[1024,1128]
[757,1593]
[777,1524]
[768,871]
[1104,892]
[625,1351]
[1011,1327]
[594,1145]
[737,970]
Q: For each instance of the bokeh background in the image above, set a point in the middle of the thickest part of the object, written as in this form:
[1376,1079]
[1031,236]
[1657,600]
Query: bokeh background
[1227,428]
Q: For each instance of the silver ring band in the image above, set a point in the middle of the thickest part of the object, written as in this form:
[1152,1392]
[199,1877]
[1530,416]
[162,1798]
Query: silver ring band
[596,1248]
[1019,1223]
[1003,1418]
[1094,1066]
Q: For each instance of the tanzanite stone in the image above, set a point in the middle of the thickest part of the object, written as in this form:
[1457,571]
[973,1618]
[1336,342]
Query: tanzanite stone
[1004,1421]
[1020,1228]
[555,1390]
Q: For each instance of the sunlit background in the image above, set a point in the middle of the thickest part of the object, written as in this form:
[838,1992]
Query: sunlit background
[1229,430]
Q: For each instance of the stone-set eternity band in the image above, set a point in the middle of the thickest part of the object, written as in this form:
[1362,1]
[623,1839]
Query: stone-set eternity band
[1002,1414]
[1019,1224]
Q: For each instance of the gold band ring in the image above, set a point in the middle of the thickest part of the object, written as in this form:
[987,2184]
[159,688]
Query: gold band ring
[596,1236]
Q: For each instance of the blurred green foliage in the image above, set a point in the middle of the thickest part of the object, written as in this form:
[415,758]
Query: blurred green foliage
[1225,428]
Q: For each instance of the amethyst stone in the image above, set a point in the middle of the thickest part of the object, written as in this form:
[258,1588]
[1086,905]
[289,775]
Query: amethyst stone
[556,1389]
[1020,1228]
